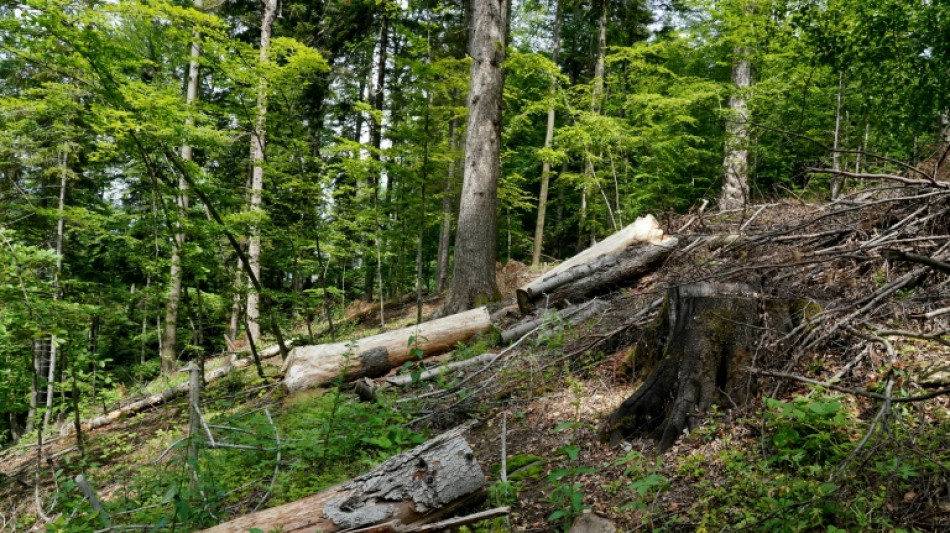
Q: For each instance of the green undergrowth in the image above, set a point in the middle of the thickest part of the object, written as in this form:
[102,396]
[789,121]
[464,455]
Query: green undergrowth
[804,474]
[279,453]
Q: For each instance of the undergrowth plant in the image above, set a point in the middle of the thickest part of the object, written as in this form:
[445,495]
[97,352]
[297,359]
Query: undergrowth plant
[567,492]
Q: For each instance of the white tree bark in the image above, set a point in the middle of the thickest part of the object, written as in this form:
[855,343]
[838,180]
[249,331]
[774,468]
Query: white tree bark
[548,137]
[169,342]
[735,187]
[258,143]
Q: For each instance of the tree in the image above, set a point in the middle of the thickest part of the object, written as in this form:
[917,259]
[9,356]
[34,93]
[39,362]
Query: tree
[169,340]
[548,137]
[473,275]
[258,143]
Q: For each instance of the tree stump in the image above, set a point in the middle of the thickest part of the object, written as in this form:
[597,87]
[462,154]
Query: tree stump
[703,335]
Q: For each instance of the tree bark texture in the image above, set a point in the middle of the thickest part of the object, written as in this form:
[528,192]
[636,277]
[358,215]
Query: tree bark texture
[548,138]
[473,275]
[704,334]
[258,144]
[418,486]
[735,186]
[169,353]
[627,253]
[445,233]
[312,366]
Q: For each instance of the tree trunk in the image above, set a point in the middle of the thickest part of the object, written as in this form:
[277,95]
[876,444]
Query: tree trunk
[311,366]
[837,181]
[548,137]
[629,252]
[445,234]
[735,187]
[704,334]
[418,486]
[374,275]
[169,343]
[258,144]
[473,275]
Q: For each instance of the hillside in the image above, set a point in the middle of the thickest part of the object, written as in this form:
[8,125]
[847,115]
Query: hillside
[843,424]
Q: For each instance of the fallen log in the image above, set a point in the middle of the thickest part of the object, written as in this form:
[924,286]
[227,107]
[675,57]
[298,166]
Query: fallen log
[161,398]
[630,252]
[703,337]
[574,315]
[403,380]
[422,485]
[311,366]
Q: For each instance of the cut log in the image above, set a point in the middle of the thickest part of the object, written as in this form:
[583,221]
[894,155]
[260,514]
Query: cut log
[161,398]
[403,380]
[311,366]
[574,315]
[630,252]
[701,338]
[419,486]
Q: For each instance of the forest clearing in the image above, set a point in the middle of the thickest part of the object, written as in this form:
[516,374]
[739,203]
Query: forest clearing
[534,265]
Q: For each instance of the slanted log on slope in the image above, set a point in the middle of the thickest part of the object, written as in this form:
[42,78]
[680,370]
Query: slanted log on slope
[418,486]
[311,366]
[574,315]
[630,252]
[160,398]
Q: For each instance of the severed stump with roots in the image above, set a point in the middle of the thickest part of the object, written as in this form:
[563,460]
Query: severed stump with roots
[694,351]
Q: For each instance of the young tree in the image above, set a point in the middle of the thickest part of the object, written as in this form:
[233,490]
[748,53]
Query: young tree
[257,177]
[548,137]
[170,337]
[473,275]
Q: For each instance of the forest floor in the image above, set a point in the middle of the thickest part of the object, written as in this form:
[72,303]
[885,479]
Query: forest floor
[793,458]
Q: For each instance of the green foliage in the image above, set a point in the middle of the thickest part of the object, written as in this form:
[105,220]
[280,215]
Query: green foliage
[809,432]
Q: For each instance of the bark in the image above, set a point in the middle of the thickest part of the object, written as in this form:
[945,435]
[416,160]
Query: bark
[258,144]
[735,187]
[473,275]
[548,137]
[311,366]
[418,486]
[574,315]
[376,140]
[629,252]
[837,181]
[445,234]
[169,343]
[693,352]
[161,398]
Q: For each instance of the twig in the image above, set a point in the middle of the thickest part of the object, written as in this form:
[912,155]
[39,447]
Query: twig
[276,464]
[846,390]
[90,496]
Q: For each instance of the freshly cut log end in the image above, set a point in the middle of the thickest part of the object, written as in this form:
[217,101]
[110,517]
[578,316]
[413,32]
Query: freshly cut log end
[311,366]
[417,486]
[704,334]
[630,252]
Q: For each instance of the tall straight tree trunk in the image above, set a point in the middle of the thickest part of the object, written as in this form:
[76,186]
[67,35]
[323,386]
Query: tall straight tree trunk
[548,137]
[376,140]
[476,240]
[60,229]
[258,143]
[597,94]
[837,181]
[735,187]
[445,234]
[168,354]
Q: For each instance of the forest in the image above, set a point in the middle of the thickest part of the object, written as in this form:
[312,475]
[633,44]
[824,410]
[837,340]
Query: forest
[666,265]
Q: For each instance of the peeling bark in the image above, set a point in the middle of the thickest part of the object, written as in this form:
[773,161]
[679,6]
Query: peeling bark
[414,487]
